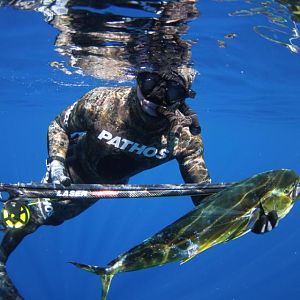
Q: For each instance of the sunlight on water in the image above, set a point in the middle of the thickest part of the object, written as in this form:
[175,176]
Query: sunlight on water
[283,18]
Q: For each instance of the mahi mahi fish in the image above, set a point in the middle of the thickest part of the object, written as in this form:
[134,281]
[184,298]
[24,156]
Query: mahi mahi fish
[221,217]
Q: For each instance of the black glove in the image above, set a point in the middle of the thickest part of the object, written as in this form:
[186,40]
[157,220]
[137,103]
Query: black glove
[58,172]
[266,222]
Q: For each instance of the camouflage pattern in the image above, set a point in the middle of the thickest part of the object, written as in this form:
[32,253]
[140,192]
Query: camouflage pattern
[120,140]
[91,45]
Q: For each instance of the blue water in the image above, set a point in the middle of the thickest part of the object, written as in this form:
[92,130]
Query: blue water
[249,109]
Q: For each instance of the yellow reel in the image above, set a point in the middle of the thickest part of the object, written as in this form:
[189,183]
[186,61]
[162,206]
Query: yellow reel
[15,214]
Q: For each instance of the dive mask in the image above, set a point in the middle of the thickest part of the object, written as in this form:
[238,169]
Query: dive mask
[163,91]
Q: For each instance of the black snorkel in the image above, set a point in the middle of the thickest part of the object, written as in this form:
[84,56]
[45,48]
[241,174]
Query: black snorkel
[164,94]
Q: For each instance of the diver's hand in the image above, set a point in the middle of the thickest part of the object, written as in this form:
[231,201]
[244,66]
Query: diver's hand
[266,223]
[176,119]
[58,172]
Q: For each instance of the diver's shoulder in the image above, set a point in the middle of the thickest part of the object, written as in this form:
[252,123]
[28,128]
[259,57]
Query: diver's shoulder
[111,90]
[101,95]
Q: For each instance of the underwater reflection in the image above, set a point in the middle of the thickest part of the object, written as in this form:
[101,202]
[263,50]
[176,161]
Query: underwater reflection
[112,40]
[284,18]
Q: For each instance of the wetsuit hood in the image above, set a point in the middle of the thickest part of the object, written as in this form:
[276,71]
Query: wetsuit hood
[164,88]
[164,94]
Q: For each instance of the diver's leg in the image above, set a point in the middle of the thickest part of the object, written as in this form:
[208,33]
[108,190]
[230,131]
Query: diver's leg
[43,212]
[12,238]
[7,289]
[67,209]
[10,241]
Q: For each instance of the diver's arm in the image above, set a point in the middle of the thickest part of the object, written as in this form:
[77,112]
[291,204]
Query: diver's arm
[71,120]
[191,162]
[78,117]
[58,143]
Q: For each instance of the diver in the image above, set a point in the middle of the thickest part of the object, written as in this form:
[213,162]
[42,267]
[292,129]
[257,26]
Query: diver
[111,134]
[108,136]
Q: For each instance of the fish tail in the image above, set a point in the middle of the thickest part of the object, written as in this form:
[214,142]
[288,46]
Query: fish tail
[105,276]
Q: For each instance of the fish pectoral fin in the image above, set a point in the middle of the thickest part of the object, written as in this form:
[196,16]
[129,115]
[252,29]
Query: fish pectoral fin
[189,257]
[199,250]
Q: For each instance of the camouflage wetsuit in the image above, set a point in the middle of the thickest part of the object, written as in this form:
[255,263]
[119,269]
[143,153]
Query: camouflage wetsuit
[119,140]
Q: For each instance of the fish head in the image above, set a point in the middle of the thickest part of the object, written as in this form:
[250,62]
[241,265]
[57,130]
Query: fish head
[284,192]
